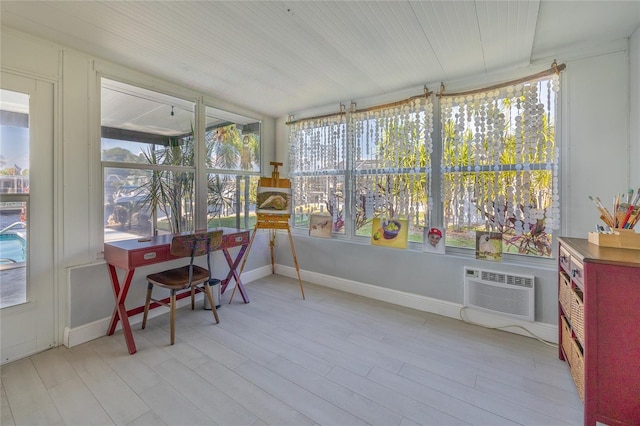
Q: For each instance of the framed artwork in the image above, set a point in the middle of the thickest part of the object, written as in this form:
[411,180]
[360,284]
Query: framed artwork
[389,232]
[273,200]
[320,225]
[489,246]
[435,241]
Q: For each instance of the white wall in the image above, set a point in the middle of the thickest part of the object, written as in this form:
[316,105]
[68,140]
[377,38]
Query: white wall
[634,109]
[596,137]
[595,160]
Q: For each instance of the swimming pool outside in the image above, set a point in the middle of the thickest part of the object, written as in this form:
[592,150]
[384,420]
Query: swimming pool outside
[13,248]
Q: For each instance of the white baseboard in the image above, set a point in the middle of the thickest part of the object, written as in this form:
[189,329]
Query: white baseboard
[547,332]
[544,331]
[86,332]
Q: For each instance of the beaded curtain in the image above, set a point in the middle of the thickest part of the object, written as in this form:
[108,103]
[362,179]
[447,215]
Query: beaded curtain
[500,159]
[390,157]
[317,161]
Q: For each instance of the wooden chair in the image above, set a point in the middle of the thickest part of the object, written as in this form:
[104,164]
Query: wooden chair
[192,277]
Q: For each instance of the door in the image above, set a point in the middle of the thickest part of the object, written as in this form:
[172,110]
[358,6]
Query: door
[27,272]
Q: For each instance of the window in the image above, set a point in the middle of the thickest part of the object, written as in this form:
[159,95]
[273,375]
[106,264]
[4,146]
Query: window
[233,168]
[14,196]
[317,167]
[151,163]
[391,165]
[500,166]
[378,163]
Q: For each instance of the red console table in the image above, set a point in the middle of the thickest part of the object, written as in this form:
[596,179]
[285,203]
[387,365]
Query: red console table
[130,254]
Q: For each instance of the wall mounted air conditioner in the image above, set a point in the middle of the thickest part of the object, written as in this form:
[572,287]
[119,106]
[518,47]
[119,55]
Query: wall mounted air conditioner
[501,293]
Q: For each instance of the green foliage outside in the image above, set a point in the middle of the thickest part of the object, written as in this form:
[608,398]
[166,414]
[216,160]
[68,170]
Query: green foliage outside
[171,193]
[487,188]
[398,150]
[12,171]
[490,189]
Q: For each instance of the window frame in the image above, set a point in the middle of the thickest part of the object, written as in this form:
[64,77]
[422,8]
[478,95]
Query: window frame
[199,168]
[553,165]
[436,202]
[339,124]
[351,173]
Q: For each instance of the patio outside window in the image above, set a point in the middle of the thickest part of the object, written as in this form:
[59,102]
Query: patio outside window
[150,163]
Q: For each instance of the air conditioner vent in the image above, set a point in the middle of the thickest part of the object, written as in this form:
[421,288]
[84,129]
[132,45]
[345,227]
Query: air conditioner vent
[506,294]
[521,281]
[493,277]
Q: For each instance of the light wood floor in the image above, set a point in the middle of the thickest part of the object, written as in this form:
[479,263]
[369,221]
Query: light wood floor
[332,359]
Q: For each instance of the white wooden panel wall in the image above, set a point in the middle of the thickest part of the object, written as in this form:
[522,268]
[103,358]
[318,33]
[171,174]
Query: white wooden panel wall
[634,109]
[76,160]
[595,137]
[29,55]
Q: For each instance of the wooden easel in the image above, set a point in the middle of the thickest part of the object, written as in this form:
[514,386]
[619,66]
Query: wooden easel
[273,222]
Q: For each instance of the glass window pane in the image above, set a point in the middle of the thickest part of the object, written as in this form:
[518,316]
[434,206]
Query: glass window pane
[142,126]
[13,253]
[500,167]
[14,196]
[391,196]
[391,171]
[145,202]
[317,165]
[153,131]
[14,142]
[231,200]
[319,195]
[233,141]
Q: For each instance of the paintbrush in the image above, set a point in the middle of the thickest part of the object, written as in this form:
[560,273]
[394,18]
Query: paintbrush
[627,215]
[603,214]
[637,198]
[635,214]
[634,218]
[603,210]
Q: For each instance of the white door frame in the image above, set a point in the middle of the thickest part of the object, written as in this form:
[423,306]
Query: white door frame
[32,327]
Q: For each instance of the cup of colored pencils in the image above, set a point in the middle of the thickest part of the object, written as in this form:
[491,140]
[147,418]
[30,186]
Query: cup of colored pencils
[626,210]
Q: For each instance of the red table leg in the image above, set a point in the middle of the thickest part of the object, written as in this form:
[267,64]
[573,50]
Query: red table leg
[233,265]
[120,312]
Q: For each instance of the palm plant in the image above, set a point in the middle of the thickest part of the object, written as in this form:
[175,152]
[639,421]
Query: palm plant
[169,191]
[228,149]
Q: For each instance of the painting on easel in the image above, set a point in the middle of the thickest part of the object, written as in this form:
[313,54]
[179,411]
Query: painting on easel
[273,200]
[273,211]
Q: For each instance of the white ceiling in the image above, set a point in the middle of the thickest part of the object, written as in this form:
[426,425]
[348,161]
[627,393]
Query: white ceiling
[282,57]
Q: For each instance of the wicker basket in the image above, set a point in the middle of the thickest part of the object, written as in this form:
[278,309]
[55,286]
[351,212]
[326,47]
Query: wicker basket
[577,314]
[565,295]
[577,367]
[566,339]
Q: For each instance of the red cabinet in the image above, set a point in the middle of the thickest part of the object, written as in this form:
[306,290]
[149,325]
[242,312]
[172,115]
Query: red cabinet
[599,328]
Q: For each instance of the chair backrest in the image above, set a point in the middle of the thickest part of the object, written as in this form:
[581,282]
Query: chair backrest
[196,244]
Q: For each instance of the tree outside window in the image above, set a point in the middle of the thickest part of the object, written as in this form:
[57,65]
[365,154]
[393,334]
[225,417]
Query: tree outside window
[150,164]
[500,166]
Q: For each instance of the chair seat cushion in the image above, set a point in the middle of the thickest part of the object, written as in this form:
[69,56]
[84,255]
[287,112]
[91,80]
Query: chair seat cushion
[178,277]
